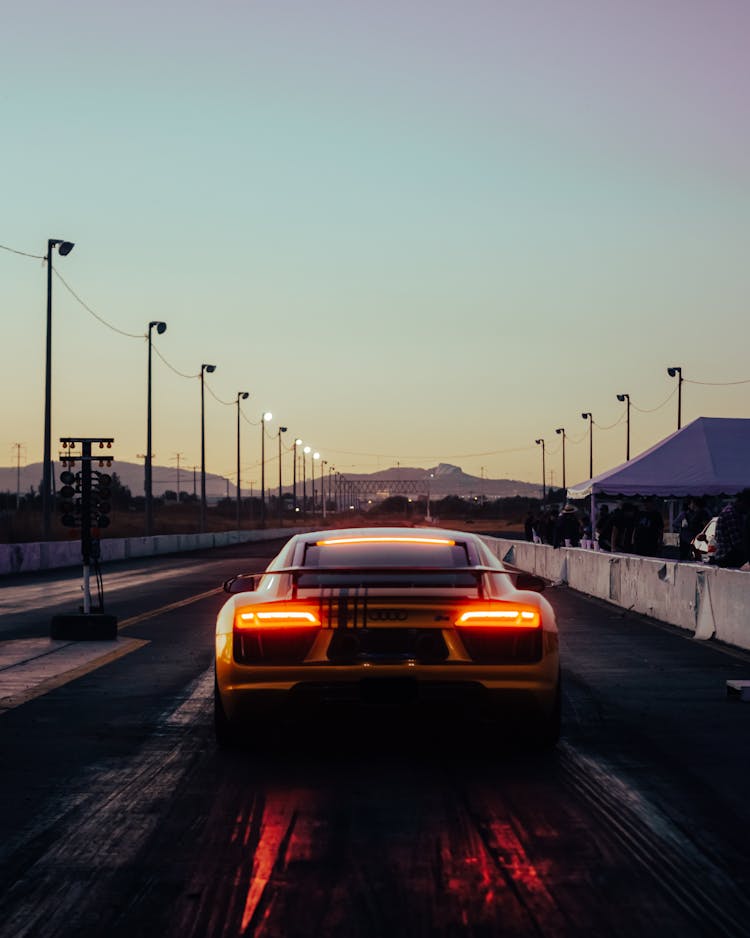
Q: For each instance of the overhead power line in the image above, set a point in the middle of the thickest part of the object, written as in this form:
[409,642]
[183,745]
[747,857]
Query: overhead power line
[39,257]
[716,384]
[171,367]
[130,335]
[651,410]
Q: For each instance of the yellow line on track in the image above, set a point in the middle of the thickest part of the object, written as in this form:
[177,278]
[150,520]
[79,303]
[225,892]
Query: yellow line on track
[134,620]
[125,648]
[52,683]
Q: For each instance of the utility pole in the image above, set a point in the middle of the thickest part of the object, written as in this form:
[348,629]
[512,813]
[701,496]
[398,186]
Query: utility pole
[178,457]
[18,447]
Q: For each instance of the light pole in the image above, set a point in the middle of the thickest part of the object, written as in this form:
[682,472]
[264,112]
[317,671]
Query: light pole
[263,421]
[63,248]
[626,397]
[281,513]
[305,451]
[209,369]
[161,328]
[241,396]
[677,370]
[315,455]
[562,430]
[540,442]
[587,416]
[323,464]
[297,442]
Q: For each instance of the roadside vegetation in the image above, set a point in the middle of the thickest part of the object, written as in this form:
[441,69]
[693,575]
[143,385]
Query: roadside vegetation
[21,519]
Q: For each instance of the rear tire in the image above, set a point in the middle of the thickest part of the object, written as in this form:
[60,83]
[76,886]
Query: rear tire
[547,729]
[225,731]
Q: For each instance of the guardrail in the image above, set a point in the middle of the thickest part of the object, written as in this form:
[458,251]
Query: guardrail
[707,601]
[49,555]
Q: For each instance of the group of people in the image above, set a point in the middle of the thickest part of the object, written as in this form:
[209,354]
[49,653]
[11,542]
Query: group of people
[631,528]
[564,528]
[639,528]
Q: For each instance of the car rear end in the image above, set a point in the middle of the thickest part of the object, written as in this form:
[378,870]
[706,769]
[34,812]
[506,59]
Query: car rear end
[422,621]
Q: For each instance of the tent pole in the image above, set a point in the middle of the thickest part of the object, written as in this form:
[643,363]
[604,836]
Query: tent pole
[593,519]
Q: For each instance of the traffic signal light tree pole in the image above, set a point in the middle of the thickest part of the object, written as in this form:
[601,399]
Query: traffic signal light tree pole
[89,511]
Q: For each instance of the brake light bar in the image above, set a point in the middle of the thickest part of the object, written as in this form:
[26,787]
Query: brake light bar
[333,541]
[496,616]
[249,617]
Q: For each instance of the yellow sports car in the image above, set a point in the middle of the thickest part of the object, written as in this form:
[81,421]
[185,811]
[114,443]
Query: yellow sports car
[372,617]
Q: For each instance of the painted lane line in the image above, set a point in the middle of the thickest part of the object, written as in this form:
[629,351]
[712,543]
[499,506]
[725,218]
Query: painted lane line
[30,668]
[134,620]
[38,676]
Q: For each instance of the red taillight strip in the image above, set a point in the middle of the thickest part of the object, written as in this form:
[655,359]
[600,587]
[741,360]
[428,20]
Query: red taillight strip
[275,619]
[513,617]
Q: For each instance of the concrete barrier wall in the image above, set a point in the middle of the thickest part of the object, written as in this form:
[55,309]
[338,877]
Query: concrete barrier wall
[707,601]
[49,555]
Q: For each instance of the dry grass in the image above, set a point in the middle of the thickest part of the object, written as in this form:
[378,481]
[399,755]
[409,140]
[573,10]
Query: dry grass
[26,526]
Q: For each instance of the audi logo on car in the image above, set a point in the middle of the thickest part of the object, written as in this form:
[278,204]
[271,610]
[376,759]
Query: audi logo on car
[387,615]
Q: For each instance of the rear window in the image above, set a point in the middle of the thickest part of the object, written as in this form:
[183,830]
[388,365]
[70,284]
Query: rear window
[386,553]
[427,564]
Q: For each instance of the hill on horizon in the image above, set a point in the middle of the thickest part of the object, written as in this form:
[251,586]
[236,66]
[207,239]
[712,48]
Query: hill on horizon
[443,479]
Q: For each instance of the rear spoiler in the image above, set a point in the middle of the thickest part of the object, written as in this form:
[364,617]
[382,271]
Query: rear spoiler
[248,582]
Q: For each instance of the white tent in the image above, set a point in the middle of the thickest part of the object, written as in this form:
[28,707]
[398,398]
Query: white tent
[710,456]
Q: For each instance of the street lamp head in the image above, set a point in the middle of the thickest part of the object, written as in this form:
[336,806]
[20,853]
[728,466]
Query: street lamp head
[208,368]
[161,327]
[298,442]
[64,247]
[268,416]
[540,440]
[282,429]
[243,395]
[674,370]
[316,455]
[586,415]
[560,430]
[306,450]
[623,397]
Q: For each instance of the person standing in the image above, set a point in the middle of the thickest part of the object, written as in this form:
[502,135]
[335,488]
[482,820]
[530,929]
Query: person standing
[648,533]
[732,535]
[568,528]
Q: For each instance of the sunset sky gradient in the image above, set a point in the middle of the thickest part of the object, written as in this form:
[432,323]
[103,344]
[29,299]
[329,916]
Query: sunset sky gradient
[416,232]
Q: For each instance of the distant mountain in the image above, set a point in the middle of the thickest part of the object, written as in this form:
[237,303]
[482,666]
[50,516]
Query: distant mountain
[443,479]
[131,475]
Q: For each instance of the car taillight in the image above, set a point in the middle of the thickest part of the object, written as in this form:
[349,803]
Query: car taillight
[249,618]
[274,633]
[500,615]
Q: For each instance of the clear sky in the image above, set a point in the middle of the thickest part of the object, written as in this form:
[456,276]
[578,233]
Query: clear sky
[418,231]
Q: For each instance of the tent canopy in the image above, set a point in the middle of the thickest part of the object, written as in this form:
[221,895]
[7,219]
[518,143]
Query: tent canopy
[710,456]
